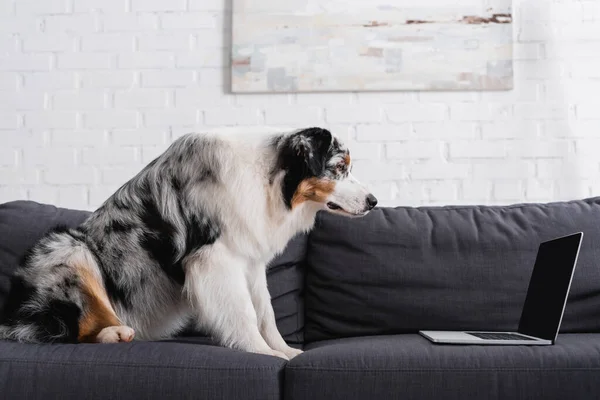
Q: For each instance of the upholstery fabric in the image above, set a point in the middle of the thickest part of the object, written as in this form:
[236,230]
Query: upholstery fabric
[408,366]
[399,270]
[181,369]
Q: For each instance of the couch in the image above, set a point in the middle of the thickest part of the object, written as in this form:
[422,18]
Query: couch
[353,294]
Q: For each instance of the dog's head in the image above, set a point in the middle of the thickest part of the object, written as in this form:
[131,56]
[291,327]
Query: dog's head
[317,169]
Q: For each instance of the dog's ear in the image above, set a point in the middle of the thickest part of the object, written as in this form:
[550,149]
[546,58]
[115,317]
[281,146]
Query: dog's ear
[313,146]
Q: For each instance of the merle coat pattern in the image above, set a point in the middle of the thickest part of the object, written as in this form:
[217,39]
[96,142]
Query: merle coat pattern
[187,239]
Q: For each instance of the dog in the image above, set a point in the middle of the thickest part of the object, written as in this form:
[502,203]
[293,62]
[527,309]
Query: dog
[186,240]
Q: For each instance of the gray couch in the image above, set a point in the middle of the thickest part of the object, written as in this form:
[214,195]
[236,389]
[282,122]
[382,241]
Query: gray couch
[353,294]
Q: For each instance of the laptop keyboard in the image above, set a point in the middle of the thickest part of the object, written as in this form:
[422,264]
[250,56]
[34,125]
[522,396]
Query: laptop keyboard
[499,336]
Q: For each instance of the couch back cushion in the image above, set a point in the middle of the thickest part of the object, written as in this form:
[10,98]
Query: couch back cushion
[285,277]
[22,223]
[403,269]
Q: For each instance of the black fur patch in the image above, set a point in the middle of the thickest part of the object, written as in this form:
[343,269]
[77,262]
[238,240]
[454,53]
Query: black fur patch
[302,155]
[116,225]
[20,292]
[115,291]
[158,234]
[117,203]
[70,282]
[161,248]
[176,183]
[318,151]
[157,239]
[58,321]
[200,232]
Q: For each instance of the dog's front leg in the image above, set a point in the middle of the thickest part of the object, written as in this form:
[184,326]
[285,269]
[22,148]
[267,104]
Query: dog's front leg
[217,288]
[264,311]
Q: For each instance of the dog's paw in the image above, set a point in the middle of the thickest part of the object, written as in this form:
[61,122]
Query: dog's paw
[115,334]
[275,353]
[280,354]
[290,352]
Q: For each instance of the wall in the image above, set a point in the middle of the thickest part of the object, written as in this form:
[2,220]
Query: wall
[91,90]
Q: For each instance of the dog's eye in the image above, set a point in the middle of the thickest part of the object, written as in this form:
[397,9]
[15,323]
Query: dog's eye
[340,166]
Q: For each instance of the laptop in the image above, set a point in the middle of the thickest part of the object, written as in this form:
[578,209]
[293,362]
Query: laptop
[544,304]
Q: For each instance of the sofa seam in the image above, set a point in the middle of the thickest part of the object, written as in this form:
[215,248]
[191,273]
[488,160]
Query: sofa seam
[438,369]
[104,364]
[588,201]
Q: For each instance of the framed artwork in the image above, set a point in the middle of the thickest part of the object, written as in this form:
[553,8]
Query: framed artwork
[362,45]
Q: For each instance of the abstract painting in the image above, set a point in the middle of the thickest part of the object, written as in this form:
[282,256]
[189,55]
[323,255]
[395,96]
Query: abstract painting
[361,45]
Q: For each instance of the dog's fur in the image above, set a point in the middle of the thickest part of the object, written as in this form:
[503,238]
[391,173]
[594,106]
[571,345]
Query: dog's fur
[187,239]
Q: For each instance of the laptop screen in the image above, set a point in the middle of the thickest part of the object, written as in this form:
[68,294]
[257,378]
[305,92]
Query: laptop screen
[549,287]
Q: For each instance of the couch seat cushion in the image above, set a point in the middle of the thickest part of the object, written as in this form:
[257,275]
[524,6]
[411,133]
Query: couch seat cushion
[182,369]
[410,367]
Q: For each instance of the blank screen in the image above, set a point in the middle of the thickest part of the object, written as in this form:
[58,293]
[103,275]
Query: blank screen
[549,287]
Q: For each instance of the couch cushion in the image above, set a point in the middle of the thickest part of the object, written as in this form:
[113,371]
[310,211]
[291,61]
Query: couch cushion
[22,223]
[285,277]
[410,367]
[402,269]
[139,370]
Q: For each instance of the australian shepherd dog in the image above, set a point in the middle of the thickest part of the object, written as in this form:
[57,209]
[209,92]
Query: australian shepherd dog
[186,240]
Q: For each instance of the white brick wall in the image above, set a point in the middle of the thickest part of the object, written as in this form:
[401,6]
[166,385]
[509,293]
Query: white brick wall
[91,90]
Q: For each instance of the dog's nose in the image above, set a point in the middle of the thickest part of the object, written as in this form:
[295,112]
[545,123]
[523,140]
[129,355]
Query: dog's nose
[371,201]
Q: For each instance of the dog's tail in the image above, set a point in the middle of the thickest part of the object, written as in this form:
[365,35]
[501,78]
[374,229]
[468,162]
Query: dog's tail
[8,332]
[5,332]
[70,304]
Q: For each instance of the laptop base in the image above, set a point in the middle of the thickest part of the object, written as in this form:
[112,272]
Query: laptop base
[464,337]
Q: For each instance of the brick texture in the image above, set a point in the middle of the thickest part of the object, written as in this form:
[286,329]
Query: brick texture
[91,90]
